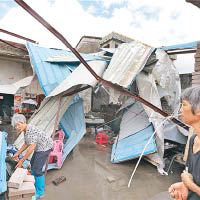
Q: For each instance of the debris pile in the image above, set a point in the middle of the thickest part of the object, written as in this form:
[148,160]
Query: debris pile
[21,186]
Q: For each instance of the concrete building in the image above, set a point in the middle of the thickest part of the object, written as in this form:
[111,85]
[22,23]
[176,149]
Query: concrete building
[113,40]
[15,66]
[92,44]
[88,44]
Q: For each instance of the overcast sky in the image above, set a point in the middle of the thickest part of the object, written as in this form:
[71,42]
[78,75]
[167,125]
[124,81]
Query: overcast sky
[155,22]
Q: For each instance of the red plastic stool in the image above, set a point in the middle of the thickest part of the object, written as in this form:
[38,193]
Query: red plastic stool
[101,138]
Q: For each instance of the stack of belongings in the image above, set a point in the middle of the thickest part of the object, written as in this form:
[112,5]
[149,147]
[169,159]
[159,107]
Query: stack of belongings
[21,186]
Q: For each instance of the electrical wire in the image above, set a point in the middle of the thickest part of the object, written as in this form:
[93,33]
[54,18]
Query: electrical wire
[138,114]
[129,183]
[125,107]
[164,120]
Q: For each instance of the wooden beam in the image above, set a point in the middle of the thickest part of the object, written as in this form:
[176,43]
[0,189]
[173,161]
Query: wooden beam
[182,52]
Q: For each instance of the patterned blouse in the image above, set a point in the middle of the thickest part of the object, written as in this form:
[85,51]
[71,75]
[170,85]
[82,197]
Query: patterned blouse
[34,135]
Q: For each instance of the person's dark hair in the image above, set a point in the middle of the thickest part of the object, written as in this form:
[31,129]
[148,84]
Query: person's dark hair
[192,95]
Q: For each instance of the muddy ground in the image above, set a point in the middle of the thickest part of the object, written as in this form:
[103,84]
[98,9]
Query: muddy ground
[91,176]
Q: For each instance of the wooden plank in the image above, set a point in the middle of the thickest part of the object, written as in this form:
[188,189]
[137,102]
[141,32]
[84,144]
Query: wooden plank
[196,81]
[196,77]
[197,68]
[195,73]
[197,55]
[197,59]
[29,178]
[197,64]
[195,84]
[17,178]
[198,45]
[26,188]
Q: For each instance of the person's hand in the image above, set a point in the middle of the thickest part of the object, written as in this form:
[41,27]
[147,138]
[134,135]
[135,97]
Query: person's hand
[20,164]
[187,178]
[178,191]
[15,156]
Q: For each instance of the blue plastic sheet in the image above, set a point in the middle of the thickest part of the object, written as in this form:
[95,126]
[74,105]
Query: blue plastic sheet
[3,147]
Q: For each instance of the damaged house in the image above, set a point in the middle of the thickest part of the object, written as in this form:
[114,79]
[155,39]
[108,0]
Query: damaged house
[139,82]
[141,69]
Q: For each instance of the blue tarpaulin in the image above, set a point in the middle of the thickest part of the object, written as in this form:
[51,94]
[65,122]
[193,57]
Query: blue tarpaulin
[3,147]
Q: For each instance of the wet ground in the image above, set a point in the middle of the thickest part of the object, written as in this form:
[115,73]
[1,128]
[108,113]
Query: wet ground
[91,176]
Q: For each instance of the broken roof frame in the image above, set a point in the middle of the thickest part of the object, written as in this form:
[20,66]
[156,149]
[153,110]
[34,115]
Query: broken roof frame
[50,76]
[108,83]
[12,45]
[18,36]
[181,48]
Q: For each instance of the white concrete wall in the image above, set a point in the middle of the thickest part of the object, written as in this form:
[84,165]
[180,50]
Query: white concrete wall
[34,87]
[10,71]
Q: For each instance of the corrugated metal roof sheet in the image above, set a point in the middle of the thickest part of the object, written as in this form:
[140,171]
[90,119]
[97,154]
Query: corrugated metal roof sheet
[132,146]
[50,75]
[128,60]
[109,50]
[46,115]
[135,131]
[71,59]
[81,76]
[13,88]
[190,45]
[134,119]
[3,147]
